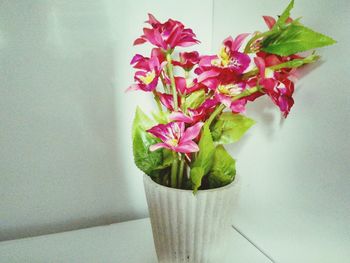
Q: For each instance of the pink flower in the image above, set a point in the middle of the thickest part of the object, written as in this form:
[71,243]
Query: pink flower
[195,115]
[167,35]
[229,56]
[278,87]
[175,137]
[168,100]
[186,86]
[147,77]
[225,94]
[187,60]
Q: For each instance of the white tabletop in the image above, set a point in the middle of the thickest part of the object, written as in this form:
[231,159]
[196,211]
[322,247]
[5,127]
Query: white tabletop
[128,242]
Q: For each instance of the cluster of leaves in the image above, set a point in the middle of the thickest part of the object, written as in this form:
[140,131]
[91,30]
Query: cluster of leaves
[213,166]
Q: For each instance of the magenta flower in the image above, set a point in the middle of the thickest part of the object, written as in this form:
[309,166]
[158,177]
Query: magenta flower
[187,60]
[175,137]
[277,86]
[195,115]
[147,77]
[229,56]
[168,100]
[225,94]
[167,35]
[186,86]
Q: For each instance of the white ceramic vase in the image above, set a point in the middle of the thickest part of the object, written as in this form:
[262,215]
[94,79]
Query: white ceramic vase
[190,228]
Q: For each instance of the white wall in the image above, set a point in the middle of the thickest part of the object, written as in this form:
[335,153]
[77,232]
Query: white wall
[295,199]
[65,156]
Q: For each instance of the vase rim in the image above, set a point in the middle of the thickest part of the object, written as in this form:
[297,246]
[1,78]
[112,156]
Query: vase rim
[149,179]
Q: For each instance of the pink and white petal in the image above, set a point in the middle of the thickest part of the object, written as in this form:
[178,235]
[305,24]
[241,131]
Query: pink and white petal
[260,63]
[136,58]
[208,74]
[270,21]
[133,87]
[157,146]
[212,83]
[226,100]
[180,84]
[191,132]
[179,116]
[238,106]
[139,41]
[205,61]
[152,20]
[187,147]
[238,41]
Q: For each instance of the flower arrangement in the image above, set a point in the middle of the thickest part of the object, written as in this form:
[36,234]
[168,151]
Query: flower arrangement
[201,108]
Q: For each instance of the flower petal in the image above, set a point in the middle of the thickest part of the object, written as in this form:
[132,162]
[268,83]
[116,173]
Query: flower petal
[179,116]
[157,146]
[191,132]
[260,63]
[270,21]
[187,147]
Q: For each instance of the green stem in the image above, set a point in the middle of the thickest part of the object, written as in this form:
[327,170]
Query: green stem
[181,172]
[165,86]
[217,111]
[295,63]
[173,176]
[156,98]
[172,80]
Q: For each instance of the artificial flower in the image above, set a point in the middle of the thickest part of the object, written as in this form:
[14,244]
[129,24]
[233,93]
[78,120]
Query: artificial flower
[187,60]
[175,137]
[167,35]
[147,77]
[277,86]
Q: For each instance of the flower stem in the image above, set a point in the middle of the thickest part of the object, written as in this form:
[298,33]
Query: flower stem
[165,86]
[172,80]
[217,111]
[295,63]
[173,176]
[181,171]
[156,98]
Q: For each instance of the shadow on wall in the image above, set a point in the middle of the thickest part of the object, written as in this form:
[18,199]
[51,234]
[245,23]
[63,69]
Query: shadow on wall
[61,159]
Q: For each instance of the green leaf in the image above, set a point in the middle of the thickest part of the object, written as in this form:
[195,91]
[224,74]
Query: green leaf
[224,168]
[204,160]
[197,174]
[145,160]
[161,117]
[230,127]
[284,16]
[293,39]
[195,99]
[141,120]
[168,158]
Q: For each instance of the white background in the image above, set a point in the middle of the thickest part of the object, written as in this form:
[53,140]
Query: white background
[65,155]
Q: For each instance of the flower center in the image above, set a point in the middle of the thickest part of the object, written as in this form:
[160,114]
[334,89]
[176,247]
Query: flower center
[231,89]
[224,56]
[269,73]
[148,78]
[173,142]
[189,83]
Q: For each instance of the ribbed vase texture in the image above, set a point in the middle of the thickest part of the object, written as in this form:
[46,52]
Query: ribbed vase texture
[190,228]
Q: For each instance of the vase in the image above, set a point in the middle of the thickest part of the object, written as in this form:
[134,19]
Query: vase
[187,227]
